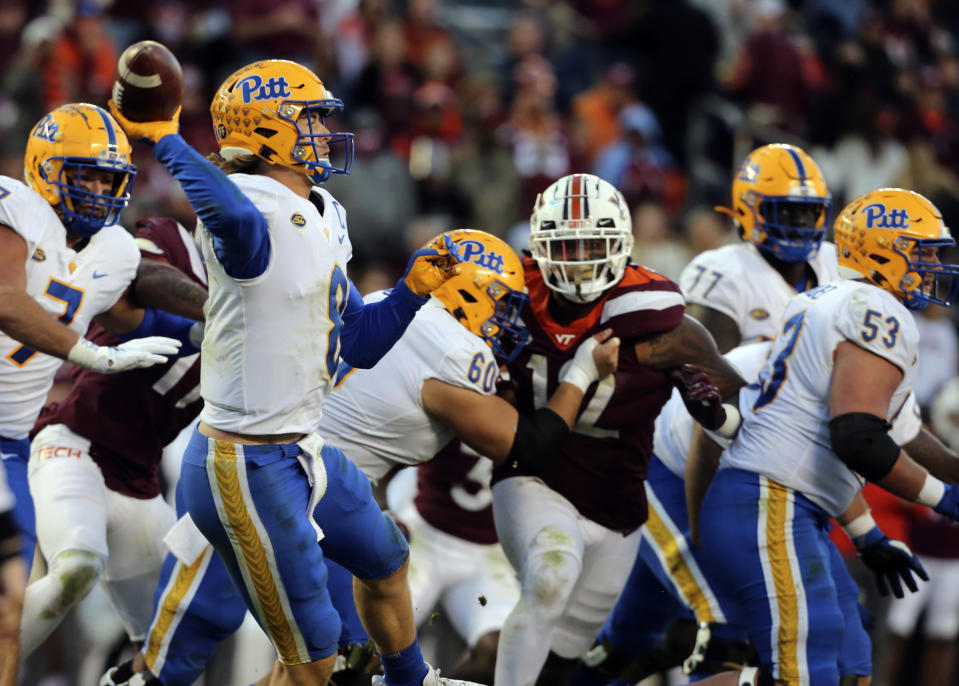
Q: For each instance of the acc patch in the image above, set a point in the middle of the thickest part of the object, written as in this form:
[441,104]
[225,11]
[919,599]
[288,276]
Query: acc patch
[38,255]
[298,220]
[759,313]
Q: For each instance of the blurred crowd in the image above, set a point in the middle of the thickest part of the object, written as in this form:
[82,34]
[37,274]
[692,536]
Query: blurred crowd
[465,109]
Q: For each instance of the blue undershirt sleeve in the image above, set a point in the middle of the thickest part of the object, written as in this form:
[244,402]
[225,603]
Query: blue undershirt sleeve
[241,237]
[371,329]
[159,323]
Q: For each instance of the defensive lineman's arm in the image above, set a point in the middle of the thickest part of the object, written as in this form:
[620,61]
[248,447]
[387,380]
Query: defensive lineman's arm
[690,343]
[175,300]
[722,327]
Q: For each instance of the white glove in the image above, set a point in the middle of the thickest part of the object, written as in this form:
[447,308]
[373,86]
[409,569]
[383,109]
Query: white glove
[581,370]
[140,352]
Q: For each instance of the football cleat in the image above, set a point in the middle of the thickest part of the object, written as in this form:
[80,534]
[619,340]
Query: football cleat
[256,109]
[780,202]
[581,236]
[69,151]
[432,678]
[489,293]
[894,237]
[123,675]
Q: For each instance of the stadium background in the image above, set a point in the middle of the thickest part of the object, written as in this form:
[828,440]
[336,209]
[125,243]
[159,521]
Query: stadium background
[465,109]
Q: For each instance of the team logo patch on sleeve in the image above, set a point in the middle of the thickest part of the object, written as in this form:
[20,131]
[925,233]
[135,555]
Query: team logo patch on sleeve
[38,255]
[759,313]
[298,220]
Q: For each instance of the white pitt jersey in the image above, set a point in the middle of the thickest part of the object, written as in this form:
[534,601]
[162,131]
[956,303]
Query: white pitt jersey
[72,286]
[376,415]
[737,281]
[270,346]
[674,425]
[785,430]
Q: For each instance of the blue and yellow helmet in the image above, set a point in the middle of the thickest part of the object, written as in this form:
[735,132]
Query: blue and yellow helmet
[780,201]
[489,293]
[66,147]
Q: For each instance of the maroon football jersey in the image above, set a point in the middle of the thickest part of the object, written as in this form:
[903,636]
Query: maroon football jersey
[130,417]
[604,461]
[453,493]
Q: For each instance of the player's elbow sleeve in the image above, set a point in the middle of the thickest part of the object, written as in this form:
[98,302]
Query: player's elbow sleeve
[538,440]
[861,440]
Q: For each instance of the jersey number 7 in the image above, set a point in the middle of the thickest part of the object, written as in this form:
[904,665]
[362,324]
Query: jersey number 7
[70,296]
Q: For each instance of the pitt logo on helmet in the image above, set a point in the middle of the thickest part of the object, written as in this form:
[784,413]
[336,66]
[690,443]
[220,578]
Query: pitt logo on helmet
[879,217]
[474,251]
[253,88]
[47,129]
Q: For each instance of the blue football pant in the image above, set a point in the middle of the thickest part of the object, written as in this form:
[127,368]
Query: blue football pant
[767,550]
[250,501]
[16,455]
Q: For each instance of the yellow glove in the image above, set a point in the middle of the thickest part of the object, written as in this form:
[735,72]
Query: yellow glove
[430,266]
[146,131]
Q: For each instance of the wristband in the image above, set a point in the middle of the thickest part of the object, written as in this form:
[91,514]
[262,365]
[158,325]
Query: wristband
[83,353]
[734,419]
[860,526]
[581,370]
[932,492]
[579,377]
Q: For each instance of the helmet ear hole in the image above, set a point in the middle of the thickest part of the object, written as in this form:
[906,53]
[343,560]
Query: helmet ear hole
[467,296]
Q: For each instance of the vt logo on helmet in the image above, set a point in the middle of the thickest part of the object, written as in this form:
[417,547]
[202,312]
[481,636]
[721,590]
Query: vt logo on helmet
[893,237]
[78,159]
[277,110]
[489,293]
[780,202]
[581,236]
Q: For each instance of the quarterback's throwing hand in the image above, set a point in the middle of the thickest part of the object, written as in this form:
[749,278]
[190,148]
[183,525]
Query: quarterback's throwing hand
[890,561]
[140,352]
[147,131]
[430,266]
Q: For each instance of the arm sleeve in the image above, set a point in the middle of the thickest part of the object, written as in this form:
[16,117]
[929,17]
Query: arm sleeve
[159,323]
[371,329]
[240,234]
[708,282]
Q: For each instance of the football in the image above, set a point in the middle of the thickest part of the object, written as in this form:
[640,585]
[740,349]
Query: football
[147,83]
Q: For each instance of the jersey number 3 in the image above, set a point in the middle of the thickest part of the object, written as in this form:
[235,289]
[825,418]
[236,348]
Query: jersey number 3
[70,296]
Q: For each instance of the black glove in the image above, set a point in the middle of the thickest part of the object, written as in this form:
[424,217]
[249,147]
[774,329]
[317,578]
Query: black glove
[700,396]
[890,561]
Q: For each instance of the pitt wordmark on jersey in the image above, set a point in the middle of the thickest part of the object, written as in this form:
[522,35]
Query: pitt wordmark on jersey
[73,286]
[738,281]
[785,430]
[306,277]
[376,415]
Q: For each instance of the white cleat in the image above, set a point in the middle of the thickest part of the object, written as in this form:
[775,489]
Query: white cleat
[432,678]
